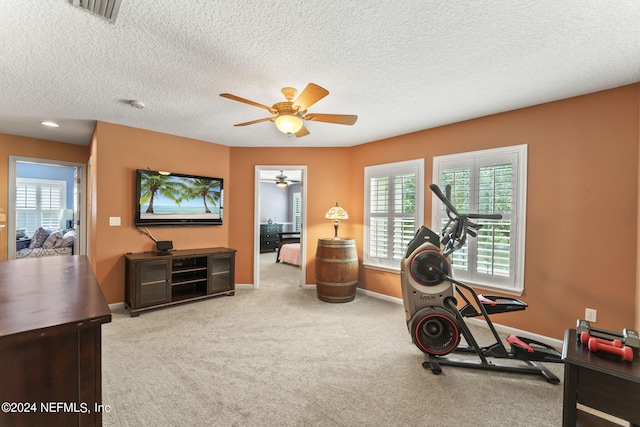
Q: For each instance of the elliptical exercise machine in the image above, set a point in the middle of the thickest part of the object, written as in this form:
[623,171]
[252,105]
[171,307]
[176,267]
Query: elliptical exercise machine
[431,307]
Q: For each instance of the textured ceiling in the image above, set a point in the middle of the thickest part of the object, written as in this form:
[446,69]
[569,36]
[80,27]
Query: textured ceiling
[401,66]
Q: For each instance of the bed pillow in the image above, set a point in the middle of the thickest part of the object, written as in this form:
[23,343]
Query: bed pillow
[39,236]
[53,241]
[68,239]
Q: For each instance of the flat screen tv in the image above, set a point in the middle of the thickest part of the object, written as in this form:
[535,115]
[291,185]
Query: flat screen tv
[177,199]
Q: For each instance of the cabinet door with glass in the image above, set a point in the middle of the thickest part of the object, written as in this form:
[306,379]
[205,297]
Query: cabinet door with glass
[221,274]
[153,283]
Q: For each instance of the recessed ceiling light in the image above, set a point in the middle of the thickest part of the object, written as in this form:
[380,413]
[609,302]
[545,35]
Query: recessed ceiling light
[50,124]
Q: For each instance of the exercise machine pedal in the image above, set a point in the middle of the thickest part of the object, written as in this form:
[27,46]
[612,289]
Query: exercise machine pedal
[493,304]
[528,349]
[494,350]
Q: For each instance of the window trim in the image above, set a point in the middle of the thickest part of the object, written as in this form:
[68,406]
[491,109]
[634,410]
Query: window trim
[377,170]
[520,216]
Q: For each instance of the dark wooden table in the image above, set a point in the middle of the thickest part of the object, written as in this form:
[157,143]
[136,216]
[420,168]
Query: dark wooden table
[51,312]
[600,381]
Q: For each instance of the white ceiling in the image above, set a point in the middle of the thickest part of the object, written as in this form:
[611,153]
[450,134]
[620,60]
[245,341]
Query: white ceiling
[401,66]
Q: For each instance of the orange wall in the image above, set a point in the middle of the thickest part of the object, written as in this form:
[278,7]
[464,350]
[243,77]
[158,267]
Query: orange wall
[581,205]
[117,152]
[29,147]
[328,182]
[582,158]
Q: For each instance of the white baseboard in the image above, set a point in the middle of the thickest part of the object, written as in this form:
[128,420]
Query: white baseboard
[250,286]
[499,328]
[379,296]
[116,306]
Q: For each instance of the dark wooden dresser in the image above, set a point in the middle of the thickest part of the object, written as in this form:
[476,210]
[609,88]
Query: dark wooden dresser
[269,237]
[51,313]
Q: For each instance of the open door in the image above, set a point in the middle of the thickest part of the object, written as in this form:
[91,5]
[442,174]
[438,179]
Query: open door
[48,194]
[280,207]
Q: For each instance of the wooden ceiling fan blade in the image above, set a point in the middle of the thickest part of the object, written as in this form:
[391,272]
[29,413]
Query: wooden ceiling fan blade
[246,101]
[302,132]
[255,121]
[340,119]
[309,96]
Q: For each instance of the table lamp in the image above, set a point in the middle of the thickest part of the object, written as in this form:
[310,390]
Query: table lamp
[66,217]
[336,213]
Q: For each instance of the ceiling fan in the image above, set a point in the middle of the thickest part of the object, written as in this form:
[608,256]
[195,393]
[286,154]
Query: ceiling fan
[280,180]
[288,116]
[283,181]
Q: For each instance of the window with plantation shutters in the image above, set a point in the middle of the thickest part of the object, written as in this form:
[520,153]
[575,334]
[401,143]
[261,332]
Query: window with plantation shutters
[488,181]
[38,203]
[393,211]
[297,212]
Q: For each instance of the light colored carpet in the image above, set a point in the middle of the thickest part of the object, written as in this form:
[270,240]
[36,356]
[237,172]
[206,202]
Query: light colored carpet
[278,356]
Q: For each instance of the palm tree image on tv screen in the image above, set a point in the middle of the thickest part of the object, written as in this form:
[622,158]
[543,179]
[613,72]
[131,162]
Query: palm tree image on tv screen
[179,197]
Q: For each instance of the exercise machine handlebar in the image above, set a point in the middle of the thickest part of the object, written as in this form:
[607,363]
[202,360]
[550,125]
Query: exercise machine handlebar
[436,190]
[447,203]
[454,233]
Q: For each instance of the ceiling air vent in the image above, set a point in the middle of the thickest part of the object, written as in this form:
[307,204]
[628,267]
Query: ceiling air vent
[107,9]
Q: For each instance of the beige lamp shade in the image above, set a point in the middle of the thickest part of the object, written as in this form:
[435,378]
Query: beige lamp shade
[66,215]
[336,213]
[66,218]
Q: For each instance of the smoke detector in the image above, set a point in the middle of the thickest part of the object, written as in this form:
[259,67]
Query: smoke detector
[107,9]
[137,104]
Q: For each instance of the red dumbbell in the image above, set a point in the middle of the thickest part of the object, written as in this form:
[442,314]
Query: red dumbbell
[625,352]
[585,337]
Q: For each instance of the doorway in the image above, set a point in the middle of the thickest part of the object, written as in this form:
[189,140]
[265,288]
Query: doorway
[45,193]
[280,207]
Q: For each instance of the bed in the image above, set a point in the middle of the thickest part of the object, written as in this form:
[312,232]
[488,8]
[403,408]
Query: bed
[48,243]
[289,248]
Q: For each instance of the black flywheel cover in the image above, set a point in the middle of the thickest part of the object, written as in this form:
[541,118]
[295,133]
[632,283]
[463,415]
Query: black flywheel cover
[427,265]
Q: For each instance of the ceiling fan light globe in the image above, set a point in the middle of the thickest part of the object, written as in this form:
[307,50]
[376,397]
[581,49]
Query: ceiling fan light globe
[288,123]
